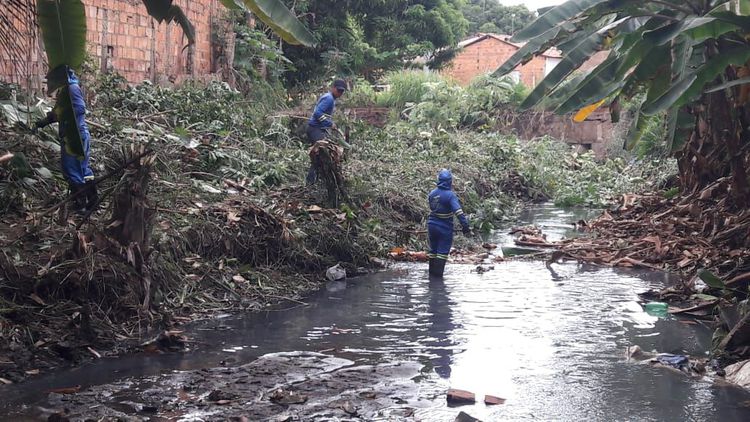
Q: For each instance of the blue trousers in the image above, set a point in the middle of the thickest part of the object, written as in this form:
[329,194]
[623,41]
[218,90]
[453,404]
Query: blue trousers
[440,236]
[77,171]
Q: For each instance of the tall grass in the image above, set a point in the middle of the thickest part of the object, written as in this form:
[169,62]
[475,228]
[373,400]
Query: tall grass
[408,86]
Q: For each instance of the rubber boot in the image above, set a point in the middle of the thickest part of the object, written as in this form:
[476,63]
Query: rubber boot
[92,197]
[437,267]
[78,203]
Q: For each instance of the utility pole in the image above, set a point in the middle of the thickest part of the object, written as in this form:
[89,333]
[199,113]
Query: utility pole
[512,24]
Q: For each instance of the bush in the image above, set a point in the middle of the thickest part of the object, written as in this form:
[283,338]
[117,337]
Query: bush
[449,106]
[574,179]
[362,94]
[408,86]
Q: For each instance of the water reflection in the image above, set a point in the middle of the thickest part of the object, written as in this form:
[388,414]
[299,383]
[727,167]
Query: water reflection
[548,338]
[440,327]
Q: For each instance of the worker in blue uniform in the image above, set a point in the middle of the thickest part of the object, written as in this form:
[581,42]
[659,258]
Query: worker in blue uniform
[321,120]
[76,170]
[444,205]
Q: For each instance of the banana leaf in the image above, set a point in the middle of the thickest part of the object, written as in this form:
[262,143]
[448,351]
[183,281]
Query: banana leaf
[282,21]
[529,50]
[567,65]
[63,26]
[692,84]
[164,10]
[555,17]
[599,83]
[66,116]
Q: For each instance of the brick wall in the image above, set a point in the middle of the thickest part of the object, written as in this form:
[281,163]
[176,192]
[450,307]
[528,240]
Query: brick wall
[487,55]
[123,37]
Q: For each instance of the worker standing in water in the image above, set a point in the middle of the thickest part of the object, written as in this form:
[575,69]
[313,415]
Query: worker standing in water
[444,205]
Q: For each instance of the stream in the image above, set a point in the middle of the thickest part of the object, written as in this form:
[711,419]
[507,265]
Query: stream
[549,339]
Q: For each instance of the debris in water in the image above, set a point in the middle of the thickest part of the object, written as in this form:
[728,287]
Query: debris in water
[739,373]
[401,254]
[66,390]
[460,397]
[166,341]
[281,396]
[221,396]
[336,273]
[481,270]
[465,417]
[493,400]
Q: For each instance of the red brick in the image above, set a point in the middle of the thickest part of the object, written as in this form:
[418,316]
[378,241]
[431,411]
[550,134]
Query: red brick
[129,31]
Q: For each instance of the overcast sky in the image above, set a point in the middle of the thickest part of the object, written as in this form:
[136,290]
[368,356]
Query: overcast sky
[532,4]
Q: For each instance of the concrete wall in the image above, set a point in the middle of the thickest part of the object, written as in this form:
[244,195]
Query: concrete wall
[591,134]
[123,37]
[486,56]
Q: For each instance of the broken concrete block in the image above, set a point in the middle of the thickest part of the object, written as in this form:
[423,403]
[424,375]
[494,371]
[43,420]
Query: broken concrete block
[492,400]
[460,397]
[465,417]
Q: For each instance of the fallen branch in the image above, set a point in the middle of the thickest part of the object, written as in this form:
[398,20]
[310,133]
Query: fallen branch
[6,157]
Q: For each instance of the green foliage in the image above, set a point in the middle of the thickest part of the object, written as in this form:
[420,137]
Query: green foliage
[362,94]
[408,86]
[281,20]
[366,38]
[575,179]
[211,107]
[63,26]
[435,102]
[489,16]
[672,51]
[259,60]
[671,193]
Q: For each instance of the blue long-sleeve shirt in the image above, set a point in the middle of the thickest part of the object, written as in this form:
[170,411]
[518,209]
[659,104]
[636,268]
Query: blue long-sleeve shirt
[79,109]
[321,116]
[444,205]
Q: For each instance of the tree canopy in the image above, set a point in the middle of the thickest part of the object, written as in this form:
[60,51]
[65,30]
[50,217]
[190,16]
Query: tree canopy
[489,16]
[365,37]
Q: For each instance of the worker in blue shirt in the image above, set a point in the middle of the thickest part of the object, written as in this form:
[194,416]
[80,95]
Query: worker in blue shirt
[444,205]
[321,120]
[76,170]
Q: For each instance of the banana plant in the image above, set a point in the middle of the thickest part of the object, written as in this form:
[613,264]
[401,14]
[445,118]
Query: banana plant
[687,60]
[63,27]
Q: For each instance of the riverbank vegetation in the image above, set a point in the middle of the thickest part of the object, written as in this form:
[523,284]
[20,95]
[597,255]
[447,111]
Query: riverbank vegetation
[685,67]
[204,207]
[229,223]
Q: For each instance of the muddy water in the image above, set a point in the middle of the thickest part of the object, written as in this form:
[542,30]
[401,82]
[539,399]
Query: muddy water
[549,339]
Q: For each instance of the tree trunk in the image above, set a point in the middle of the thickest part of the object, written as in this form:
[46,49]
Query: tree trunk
[132,219]
[716,146]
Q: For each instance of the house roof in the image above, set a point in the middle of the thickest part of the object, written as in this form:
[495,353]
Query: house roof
[551,53]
